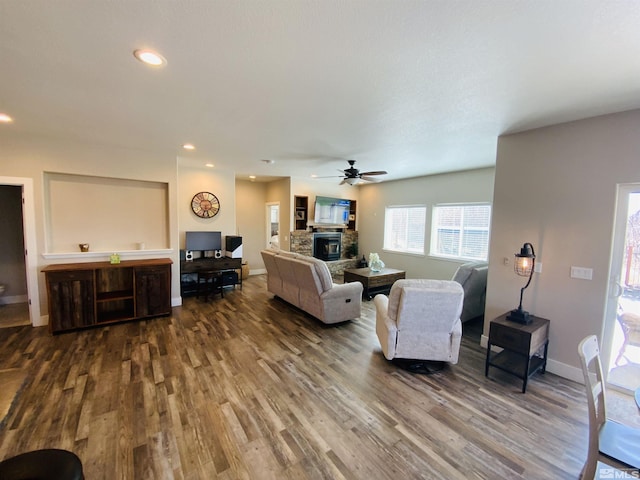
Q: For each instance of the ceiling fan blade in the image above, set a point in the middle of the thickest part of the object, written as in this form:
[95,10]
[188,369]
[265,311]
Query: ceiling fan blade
[369,179]
[344,180]
[377,172]
[331,176]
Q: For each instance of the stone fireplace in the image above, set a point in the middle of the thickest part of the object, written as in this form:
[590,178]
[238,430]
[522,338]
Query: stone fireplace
[327,246]
[302,242]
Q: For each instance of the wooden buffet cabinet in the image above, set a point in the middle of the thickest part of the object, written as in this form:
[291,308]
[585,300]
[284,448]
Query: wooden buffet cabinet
[99,293]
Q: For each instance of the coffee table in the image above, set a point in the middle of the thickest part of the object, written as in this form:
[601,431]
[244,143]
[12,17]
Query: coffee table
[373,282]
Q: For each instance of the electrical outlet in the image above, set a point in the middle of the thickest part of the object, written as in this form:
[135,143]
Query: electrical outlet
[537,267]
[506,260]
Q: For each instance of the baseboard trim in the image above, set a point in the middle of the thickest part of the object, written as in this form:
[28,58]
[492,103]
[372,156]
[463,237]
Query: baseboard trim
[44,320]
[11,299]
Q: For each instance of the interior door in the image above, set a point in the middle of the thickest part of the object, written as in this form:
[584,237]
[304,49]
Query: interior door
[621,335]
[273,225]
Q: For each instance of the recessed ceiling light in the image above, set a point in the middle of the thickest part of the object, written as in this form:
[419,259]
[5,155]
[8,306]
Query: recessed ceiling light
[314,176]
[210,165]
[4,118]
[188,146]
[252,177]
[150,57]
[268,161]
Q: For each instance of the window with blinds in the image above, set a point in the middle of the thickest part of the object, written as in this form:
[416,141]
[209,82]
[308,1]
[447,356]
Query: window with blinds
[461,231]
[404,228]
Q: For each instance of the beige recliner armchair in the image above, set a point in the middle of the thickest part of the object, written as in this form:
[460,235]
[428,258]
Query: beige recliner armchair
[420,319]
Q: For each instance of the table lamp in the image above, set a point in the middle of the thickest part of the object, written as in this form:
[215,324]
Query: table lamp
[523,266]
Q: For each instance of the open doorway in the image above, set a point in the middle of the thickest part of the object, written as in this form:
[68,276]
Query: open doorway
[19,276]
[14,309]
[621,337]
[273,225]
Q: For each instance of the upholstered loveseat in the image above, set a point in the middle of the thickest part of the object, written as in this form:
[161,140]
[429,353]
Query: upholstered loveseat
[306,283]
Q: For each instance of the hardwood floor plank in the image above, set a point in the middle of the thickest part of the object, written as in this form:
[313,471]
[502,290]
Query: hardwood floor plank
[247,387]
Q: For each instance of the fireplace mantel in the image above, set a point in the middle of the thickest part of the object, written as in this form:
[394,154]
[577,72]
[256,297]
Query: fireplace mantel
[324,227]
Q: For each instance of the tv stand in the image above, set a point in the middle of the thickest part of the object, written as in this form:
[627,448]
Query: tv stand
[230,268]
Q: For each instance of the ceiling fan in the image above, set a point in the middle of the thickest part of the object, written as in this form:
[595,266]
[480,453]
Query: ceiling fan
[353,176]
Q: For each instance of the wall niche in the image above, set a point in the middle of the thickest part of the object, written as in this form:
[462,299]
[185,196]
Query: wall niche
[109,214]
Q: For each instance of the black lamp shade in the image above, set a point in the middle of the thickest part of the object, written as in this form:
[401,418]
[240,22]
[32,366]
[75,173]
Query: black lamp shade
[523,264]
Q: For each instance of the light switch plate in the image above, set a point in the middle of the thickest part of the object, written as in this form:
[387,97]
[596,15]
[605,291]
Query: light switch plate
[582,273]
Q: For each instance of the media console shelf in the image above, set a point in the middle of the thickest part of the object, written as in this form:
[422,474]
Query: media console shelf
[230,270]
[84,295]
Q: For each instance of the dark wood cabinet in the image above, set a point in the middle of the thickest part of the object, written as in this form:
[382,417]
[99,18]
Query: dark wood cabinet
[71,299]
[524,347]
[88,294]
[153,291]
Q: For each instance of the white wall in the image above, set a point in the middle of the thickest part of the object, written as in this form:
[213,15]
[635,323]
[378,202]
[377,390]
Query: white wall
[30,156]
[251,220]
[555,187]
[222,184]
[468,186]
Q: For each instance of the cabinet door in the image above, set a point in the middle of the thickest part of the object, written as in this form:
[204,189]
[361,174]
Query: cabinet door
[153,290]
[71,299]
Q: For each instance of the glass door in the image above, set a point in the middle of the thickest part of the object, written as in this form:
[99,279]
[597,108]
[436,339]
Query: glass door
[621,336]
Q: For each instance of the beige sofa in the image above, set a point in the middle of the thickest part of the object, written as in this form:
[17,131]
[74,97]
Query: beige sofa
[306,283]
[473,278]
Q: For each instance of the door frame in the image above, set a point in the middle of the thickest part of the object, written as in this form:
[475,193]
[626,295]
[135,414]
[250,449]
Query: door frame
[268,206]
[30,245]
[614,290]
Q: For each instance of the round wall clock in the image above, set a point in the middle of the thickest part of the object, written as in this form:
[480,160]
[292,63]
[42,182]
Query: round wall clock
[205,204]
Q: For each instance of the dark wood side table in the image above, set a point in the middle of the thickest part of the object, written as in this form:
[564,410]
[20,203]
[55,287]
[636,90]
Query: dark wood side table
[524,347]
[373,282]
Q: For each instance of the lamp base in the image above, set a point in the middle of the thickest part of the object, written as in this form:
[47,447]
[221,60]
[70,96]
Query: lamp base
[520,316]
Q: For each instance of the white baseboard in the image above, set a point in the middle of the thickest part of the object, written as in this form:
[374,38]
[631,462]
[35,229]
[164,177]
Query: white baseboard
[258,271]
[10,299]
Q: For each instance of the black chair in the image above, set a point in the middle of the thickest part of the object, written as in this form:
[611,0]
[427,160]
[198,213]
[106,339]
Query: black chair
[49,464]
[209,281]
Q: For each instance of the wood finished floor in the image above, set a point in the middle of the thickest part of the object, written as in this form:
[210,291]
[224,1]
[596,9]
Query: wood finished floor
[246,387]
[14,314]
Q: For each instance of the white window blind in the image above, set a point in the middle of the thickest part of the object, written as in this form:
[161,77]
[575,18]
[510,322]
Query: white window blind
[404,228]
[461,231]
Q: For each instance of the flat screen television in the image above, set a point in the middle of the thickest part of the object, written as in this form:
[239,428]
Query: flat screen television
[203,241]
[331,211]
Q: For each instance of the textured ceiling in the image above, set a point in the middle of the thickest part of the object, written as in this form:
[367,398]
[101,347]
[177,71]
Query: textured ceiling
[412,87]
